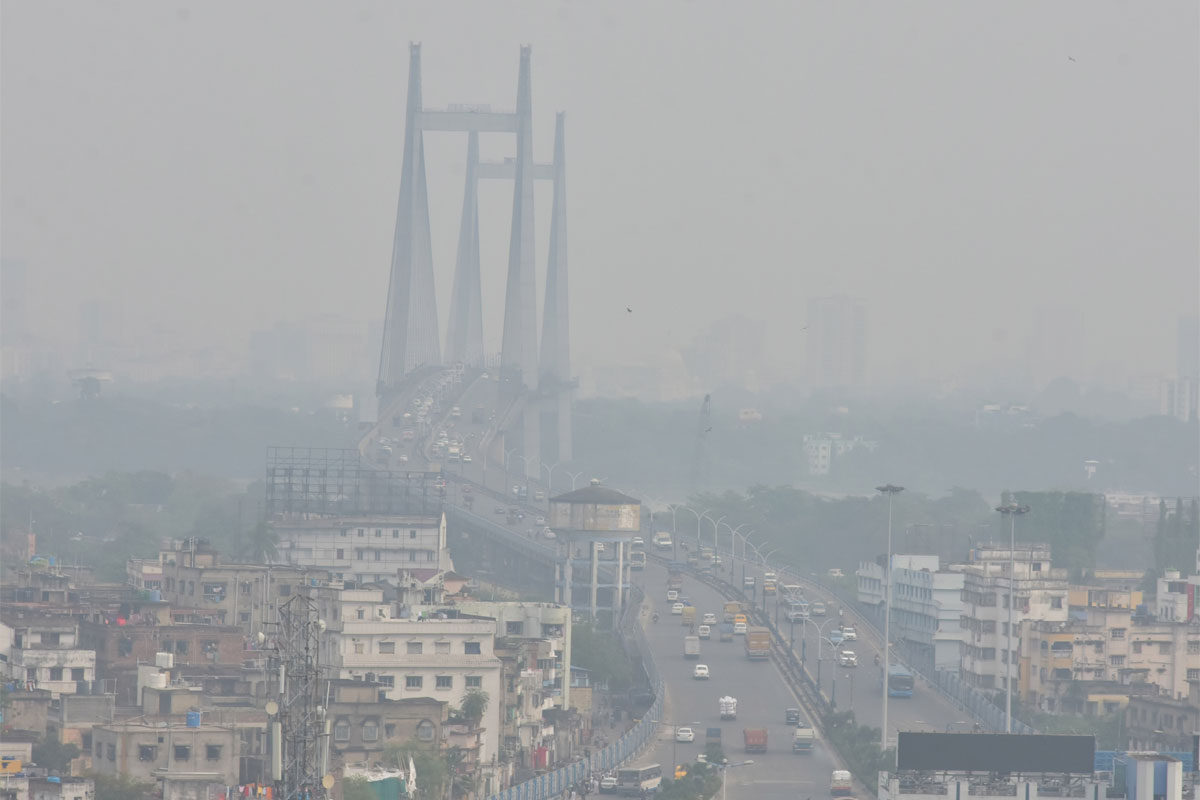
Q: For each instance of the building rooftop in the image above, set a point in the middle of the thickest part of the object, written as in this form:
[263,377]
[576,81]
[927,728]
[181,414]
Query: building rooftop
[597,494]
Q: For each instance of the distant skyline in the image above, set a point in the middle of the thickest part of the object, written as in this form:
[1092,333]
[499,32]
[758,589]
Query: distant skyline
[220,170]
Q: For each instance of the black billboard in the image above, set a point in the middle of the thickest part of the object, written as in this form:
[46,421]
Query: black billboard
[996,752]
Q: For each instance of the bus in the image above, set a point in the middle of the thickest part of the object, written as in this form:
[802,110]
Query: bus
[637,560]
[632,781]
[900,681]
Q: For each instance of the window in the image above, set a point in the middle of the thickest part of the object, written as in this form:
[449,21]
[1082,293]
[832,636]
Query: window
[987,654]
[112,752]
[471,648]
[370,730]
[1164,648]
[387,648]
[378,557]
[1137,647]
[359,648]
[147,752]
[99,749]
[358,555]
[388,681]
[183,752]
[1117,661]
[474,682]
[1056,602]
[429,555]
[1118,633]
[378,533]
[425,730]
[360,532]
[212,752]
[56,673]
[412,555]
[77,673]
[1194,648]
[285,589]
[1193,674]
[412,681]
[396,534]
[341,554]
[181,647]
[360,613]
[514,628]
[413,648]
[441,648]
[243,616]
[389,730]
[342,532]
[445,682]
[341,731]
[51,638]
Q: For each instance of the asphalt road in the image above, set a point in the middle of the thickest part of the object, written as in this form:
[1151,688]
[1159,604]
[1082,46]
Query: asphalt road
[858,688]
[759,688]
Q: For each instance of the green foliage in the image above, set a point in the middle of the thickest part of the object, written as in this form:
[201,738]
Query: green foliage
[601,653]
[53,755]
[1108,728]
[714,753]
[859,746]
[357,787]
[121,787]
[474,704]
[433,771]
[1176,535]
[1072,523]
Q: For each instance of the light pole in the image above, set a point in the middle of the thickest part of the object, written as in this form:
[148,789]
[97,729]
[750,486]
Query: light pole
[725,767]
[891,491]
[1012,511]
[717,532]
[698,516]
[550,476]
[574,476]
[674,533]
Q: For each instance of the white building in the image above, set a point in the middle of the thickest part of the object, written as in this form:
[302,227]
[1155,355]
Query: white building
[45,654]
[367,549]
[1177,599]
[546,621]
[823,449]
[1041,595]
[926,606]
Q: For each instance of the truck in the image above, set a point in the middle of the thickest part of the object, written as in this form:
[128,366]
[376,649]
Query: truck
[675,576]
[691,647]
[841,783]
[727,706]
[756,740]
[662,540]
[726,634]
[758,644]
[689,616]
[732,609]
[803,738]
[712,736]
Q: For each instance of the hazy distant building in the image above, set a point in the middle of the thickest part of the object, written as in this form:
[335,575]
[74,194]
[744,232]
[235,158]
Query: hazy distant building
[1187,354]
[836,336]
[729,351]
[1178,398]
[1057,347]
[823,449]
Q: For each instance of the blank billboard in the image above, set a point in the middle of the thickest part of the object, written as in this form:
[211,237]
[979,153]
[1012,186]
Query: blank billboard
[996,752]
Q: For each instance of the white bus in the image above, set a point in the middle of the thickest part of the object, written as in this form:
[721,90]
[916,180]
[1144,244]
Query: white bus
[632,781]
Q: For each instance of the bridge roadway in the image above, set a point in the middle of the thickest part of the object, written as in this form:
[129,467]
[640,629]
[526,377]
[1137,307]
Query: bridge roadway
[760,689]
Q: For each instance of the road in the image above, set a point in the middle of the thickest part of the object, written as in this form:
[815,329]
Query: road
[855,689]
[762,697]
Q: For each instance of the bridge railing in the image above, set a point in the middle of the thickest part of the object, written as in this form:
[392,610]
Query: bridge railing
[554,784]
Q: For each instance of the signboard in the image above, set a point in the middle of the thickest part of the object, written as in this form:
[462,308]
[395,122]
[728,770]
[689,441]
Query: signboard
[996,752]
[595,517]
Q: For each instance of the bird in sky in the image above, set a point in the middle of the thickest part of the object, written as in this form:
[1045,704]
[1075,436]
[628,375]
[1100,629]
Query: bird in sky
[706,430]
[630,310]
[1070,58]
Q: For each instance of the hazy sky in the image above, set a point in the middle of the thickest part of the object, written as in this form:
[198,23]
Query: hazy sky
[214,167]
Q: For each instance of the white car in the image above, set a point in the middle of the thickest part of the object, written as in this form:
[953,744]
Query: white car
[849,634]
[818,609]
[638,541]
[738,627]
[709,619]
[402,457]
[466,459]
[847,658]
[704,631]
[677,609]
[672,594]
[685,735]
[541,520]
[700,672]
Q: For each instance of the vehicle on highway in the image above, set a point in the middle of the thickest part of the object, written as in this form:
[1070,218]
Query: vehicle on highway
[541,520]
[466,459]
[704,631]
[847,658]
[500,510]
[849,634]
[748,582]
[539,495]
[727,707]
[709,619]
[841,783]
[791,716]
[672,594]
[700,672]
[680,772]
[900,681]
[739,628]
[758,644]
[818,609]
[740,618]
[637,541]
[637,560]
[835,572]
[797,611]
[662,541]
[835,637]
[688,617]
[548,534]
[731,610]
[635,781]
[755,740]
[677,609]
[803,738]
[608,784]
[691,647]
[685,735]
[726,632]
[402,458]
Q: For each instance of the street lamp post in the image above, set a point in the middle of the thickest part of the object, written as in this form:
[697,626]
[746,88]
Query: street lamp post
[550,476]
[891,492]
[574,476]
[725,768]
[698,516]
[1012,511]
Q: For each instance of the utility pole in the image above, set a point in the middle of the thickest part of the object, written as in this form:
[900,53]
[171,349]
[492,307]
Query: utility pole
[891,491]
[1012,511]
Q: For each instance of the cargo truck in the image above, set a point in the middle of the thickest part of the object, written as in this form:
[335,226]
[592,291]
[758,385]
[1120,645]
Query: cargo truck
[756,740]
[841,783]
[689,616]
[691,647]
[758,644]
[732,609]
[712,736]
[727,706]
[803,738]
[726,632]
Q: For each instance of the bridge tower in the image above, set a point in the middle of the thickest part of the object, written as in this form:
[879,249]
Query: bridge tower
[556,382]
[464,339]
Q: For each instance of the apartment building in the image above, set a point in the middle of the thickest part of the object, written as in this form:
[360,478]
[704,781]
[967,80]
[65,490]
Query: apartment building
[1177,599]
[364,722]
[545,622]
[927,607]
[1040,593]
[185,758]
[46,653]
[366,549]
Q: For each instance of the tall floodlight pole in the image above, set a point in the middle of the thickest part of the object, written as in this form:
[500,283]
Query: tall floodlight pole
[891,491]
[1012,511]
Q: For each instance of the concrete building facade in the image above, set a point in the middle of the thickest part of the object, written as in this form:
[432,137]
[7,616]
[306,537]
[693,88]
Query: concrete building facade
[366,549]
[46,653]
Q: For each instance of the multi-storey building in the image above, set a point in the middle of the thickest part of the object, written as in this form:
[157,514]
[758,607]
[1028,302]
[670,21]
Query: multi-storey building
[46,653]
[1154,722]
[366,549]
[185,758]
[1040,594]
[1177,598]
[364,722]
[926,607]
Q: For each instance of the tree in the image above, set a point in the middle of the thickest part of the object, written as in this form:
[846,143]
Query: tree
[474,705]
[53,755]
[601,653]
[1175,537]
[357,787]
[432,770]
[121,787]
[261,543]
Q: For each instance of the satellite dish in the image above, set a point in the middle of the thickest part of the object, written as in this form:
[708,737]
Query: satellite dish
[272,708]
[327,781]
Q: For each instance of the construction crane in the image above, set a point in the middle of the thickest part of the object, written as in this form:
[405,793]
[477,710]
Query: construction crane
[699,477]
